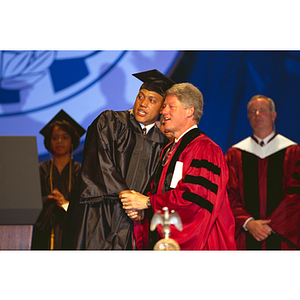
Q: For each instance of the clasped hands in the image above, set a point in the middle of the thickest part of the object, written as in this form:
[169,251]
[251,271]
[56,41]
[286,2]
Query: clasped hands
[134,204]
[259,229]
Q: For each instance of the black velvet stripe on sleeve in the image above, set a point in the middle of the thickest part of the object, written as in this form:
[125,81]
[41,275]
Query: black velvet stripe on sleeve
[197,199]
[201,181]
[294,190]
[186,139]
[296,176]
[196,163]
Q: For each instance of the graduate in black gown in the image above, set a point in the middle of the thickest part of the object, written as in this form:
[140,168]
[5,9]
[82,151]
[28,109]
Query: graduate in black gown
[62,135]
[117,156]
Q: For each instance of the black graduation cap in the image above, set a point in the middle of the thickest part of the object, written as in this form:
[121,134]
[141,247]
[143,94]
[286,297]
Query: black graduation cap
[62,115]
[154,81]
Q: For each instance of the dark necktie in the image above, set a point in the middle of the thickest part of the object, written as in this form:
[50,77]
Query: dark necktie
[168,154]
[144,131]
[262,143]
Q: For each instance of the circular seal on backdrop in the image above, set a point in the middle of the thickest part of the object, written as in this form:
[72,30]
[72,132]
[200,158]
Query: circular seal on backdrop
[35,85]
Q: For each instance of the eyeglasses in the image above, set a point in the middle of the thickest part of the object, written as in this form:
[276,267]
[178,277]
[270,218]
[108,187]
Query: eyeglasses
[261,110]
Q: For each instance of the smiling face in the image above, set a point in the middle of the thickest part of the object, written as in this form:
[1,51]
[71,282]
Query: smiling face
[147,106]
[177,118]
[260,117]
[166,132]
[60,142]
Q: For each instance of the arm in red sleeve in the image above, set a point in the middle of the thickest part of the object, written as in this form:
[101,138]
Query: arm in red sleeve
[200,196]
[285,219]
[235,188]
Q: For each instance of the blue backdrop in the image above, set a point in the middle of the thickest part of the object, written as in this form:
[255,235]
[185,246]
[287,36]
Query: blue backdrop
[228,79]
[35,85]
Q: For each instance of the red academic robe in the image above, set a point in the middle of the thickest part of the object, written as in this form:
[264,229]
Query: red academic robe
[199,197]
[273,194]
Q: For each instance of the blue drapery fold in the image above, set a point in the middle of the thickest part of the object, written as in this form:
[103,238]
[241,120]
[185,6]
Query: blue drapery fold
[228,79]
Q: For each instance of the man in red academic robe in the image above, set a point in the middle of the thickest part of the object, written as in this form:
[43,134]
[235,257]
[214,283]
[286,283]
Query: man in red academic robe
[264,184]
[191,179]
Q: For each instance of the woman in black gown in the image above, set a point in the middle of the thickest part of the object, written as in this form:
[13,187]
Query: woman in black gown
[62,135]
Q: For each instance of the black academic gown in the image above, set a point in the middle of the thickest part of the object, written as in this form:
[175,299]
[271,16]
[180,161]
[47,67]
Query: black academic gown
[52,216]
[116,157]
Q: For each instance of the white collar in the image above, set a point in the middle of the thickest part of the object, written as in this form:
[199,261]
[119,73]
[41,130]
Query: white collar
[176,140]
[148,127]
[278,143]
[266,139]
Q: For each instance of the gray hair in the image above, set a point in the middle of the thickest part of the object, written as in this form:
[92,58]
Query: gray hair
[271,102]
[189,96]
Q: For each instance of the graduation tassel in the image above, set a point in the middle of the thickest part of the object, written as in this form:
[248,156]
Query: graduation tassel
[51,187]
[52,239]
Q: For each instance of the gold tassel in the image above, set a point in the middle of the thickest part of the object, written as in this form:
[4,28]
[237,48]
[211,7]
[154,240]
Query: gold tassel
[51,187]
[52,239]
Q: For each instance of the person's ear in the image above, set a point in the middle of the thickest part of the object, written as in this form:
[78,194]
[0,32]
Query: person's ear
[190,111]
[274,115]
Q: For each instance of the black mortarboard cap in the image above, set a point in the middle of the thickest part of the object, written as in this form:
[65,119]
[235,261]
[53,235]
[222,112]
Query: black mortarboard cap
[62,115]
[154,81]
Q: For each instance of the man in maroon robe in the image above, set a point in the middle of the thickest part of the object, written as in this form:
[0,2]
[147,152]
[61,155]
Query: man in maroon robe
[191,179]
[264,184]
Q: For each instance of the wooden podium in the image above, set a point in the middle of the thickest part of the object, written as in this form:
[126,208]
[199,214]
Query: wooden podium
[20,191]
